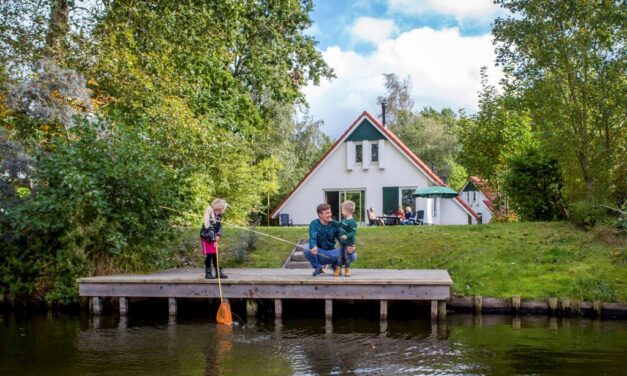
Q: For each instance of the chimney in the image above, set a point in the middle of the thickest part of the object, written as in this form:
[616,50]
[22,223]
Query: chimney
[383,114]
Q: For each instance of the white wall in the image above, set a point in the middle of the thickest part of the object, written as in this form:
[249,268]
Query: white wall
[478,205]
[333,174]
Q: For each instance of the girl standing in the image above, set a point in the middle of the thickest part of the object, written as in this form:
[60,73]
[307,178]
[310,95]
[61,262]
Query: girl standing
[210,234]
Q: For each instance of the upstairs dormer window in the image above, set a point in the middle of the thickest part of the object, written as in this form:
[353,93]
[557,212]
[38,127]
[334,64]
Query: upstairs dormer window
[374,151]
[359,153]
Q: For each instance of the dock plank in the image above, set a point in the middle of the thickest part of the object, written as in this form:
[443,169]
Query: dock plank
[369,284]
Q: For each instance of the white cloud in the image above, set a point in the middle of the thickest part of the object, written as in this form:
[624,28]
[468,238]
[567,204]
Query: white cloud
[371,30]
[443,66]
[460,9]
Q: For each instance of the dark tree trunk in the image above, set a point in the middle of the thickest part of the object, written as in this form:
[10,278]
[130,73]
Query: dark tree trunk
[58,29]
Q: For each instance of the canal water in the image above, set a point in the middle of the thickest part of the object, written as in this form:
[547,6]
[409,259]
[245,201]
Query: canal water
[463,345]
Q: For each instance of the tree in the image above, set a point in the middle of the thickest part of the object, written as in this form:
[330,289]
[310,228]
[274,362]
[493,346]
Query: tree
[493,135]
[175,101]
[566,60]
[429,134]
[533,183]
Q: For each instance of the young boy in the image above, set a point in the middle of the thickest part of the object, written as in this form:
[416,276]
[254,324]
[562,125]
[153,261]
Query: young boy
[348,228]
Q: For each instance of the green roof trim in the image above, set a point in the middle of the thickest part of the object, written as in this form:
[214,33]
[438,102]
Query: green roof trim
[470,187]
[365,132]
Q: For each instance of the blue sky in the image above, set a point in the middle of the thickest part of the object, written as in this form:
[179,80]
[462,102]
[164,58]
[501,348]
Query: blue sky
[439,44]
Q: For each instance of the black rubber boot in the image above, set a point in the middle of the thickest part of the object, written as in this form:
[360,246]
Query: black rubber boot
[209,274]
[222,275]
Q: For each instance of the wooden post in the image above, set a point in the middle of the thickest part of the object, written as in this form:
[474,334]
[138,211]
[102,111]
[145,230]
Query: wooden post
[278,308]
[553,306]
[251,307]
[434,310]
[478,304]
[123,306]
[96,308]
[597,307]
[442,309]
[172,306]
[328,309]
[516,304]
[383,310]
[566,307]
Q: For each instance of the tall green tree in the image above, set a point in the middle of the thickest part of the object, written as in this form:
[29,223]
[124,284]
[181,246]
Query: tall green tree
[566,59]
[497,132]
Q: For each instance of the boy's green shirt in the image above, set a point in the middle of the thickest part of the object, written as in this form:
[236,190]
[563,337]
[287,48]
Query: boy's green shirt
[348,227]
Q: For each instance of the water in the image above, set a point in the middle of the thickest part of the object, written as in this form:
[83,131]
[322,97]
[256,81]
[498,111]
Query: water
[464,345]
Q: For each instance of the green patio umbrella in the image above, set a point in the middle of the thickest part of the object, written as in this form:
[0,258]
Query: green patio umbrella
[435,191]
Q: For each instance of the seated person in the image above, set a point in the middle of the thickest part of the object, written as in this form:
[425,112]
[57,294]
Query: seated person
[399,213]
[409,217]
[373,220]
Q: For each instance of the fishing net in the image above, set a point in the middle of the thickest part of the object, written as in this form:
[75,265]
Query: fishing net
[224,315]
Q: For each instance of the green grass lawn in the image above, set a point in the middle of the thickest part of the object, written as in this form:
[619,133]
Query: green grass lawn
[534,260]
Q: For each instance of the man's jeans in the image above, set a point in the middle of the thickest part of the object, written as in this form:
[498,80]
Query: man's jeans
[325,256]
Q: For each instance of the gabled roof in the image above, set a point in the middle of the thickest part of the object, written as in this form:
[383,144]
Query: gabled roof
[395,141]
[484,187]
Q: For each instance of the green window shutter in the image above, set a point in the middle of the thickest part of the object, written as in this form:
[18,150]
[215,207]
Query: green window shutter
[390,199]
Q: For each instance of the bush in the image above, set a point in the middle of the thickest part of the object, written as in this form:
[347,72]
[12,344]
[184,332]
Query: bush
[585,214]
[533,183]
[95,209]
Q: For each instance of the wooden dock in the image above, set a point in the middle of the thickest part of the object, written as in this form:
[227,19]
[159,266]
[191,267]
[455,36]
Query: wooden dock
[381,285]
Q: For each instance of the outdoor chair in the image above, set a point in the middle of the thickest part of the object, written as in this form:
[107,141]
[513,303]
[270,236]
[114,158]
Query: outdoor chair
[417,218]
[284,220]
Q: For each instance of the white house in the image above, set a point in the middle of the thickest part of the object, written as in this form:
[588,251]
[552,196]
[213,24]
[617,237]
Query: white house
[477,194]
[369,165]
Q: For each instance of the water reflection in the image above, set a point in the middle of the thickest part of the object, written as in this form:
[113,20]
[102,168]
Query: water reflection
[462,344]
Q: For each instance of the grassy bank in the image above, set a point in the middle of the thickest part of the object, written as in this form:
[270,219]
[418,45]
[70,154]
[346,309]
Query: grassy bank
[534,260]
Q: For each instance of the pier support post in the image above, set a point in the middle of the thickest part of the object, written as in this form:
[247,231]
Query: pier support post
[478,304]
[123,306]
[96,307]
[328,309]
[172,306]
[516,304]
[567,309]
[278,308]
[597,307]
[442,309]
[251,308]
[383,310]
[434,310]
[553,306]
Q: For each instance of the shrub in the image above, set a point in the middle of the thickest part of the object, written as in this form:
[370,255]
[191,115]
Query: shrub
[96,208]
[585,214]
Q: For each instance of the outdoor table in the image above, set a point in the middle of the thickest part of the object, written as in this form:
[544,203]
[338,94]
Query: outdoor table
[390,219]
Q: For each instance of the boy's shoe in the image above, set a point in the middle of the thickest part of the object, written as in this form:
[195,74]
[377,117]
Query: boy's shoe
[347,272]
[337,272]
[317,272]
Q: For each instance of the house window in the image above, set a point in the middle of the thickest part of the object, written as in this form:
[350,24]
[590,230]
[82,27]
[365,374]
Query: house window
[407,198]
[359,149]
[474,196]
[374,149]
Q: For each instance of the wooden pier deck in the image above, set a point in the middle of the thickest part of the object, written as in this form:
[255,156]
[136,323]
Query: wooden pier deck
[277,284]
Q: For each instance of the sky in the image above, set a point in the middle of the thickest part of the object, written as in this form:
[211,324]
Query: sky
[440,45]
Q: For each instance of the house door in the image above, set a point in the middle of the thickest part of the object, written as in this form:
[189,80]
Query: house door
[335,199]
[390,199]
